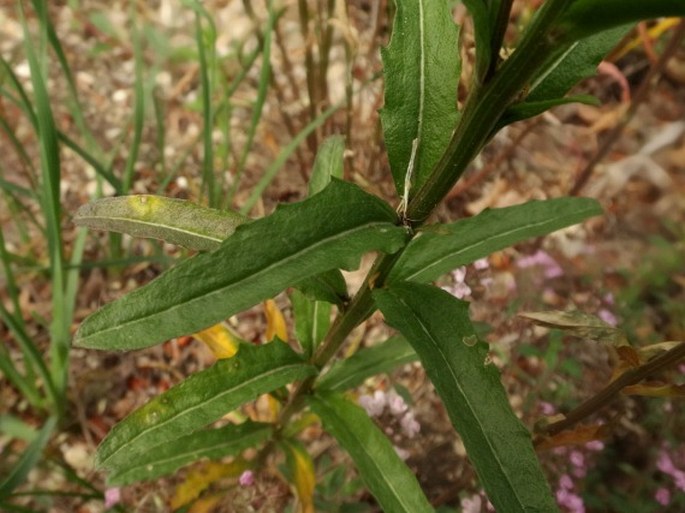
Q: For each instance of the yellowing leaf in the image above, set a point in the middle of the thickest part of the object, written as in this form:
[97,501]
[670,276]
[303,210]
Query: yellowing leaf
[200,478]
[301,469]
[579,324]
[655,390]
[275,322]
[577,436]
[205,504]
[220,340]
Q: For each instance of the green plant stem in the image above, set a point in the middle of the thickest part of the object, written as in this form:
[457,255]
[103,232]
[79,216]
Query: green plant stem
[486,105]
[483,110]
[611,391]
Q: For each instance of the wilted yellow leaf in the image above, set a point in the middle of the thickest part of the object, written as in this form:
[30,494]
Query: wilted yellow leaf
[576,436]
[655,390]
[275,322]
[205,504]
[220,340]
[302,469]
[202,476]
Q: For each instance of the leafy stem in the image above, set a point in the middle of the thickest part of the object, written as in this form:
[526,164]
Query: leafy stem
[484,108]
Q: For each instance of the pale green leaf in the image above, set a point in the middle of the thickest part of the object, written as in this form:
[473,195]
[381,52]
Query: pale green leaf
[202,399]
[438,249]
[164,459]
[328,163]
[172,220]
[386,475]
[579,324]
[499,446]
[367,362]
[330,230]
[421,67]
[312,320]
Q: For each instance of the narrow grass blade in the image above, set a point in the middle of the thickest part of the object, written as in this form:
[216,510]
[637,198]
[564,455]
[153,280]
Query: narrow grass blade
[138,114]
[28,459]
[438,249]
[167,458]
[437,325]
[200,400]
[259,260]
[51,208]
[172,220]
[386,475]
[283,156]
[367,362]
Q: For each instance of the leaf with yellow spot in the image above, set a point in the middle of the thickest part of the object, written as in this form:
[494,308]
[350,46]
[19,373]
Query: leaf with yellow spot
[275,322]
[301,468]
[202,476]
[220,340]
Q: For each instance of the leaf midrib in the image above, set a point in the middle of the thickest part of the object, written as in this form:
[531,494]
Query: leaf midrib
[444,358]
[464,249]
[236,389]
[279,263]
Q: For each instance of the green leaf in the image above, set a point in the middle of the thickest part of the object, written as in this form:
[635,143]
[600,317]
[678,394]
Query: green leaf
[587,17]
[525,110]
[329,286]
[201,399]
[421,69]
[312,320]
[437,249]
[482,31]
[578,62]
[499,446]
[369,361]
[29,458]
[329,230]
[386,475]
[328,163]
[172,220]
[211,443]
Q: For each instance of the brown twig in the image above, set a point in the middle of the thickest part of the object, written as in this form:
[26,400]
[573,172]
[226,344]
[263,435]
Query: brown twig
[653,75]
[612,390]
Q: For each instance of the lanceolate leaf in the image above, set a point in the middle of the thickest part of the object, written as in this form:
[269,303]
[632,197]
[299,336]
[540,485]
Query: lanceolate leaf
[421,68]
[367,362]
[387,477]
[586,17]
[329,230]
[302,474]
[440,248]
[525,110]
[201,399]
[498,445]
[211,443]
[172,220]
[575,64]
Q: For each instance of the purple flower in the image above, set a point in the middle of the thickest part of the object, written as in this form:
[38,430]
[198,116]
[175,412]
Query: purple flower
[375,404]
[112,497]
[410,426]
[577,458]
[481,264]
[607,317]
[471,504]
[551,268]
[565,482]
[663,496]
[396,404]
[595,445]
[246,478]
[547,408]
